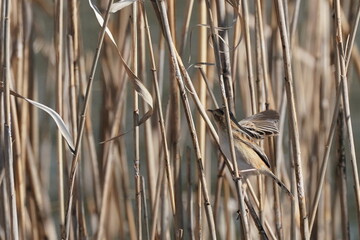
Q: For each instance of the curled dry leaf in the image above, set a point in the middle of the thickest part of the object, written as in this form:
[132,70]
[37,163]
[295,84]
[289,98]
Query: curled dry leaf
[120,5]
[138,86]
[54,115]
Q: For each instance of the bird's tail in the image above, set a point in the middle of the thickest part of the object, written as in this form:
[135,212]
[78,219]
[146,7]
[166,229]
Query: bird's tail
[280,183]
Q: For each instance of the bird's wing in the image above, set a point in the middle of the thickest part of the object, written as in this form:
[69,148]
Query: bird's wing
[261,124]
[258,151]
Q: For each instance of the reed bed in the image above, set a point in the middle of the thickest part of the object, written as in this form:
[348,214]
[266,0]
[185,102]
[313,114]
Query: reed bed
[105,132]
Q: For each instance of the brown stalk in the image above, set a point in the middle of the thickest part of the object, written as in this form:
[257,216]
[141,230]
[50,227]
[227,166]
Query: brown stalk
[75,161]
[225,52]
[185,28]
[9,164]
[244,225]
[125,185]
[293,119]
[345,99]
[173,54]
[135,124]
[174,119]
[59,104]
[245,14]
[202,57]
[342,178]
[149,136]
[260,103]
[160,115]
[21,80]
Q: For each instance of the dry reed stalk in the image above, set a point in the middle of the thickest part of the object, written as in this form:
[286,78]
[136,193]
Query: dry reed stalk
[109,162]
[345,99]
[225,51]
[328,144]
[190,194]
[173,54]
[293,119]
[155,207]
[245,15]
[136,132]
[160,115]
[260,98]
[202,57]
[185,28]
[21,79]
[149,136]
[74,62]
[350,44]
[342,178]
[59,48]
[146,217]
[202,110]
[225,97]
[175,120]
[75,161]
[6,113]
[125,185]
[40,199]
[19,166]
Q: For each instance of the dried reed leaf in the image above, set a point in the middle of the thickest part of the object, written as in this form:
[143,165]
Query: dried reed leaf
[138,86]
[54,115]
[120,5]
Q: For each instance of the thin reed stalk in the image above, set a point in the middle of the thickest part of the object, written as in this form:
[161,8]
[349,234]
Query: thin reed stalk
[345,99]
[293,119]
[8,156]
[160,114]
[225,97]
[59,13]
[208,209]
[75,161]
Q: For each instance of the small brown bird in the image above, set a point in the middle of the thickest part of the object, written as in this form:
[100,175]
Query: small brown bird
[249,155]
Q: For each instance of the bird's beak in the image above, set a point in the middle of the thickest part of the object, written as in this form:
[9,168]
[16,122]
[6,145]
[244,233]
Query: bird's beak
[211,110]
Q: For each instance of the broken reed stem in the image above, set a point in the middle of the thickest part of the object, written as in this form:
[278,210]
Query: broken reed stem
[293,119]
[190,121]
[9,163]
[75,161]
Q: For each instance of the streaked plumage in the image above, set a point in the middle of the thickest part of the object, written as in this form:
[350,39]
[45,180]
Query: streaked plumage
[248,153]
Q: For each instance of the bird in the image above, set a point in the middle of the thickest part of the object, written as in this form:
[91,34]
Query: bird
[249,155]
